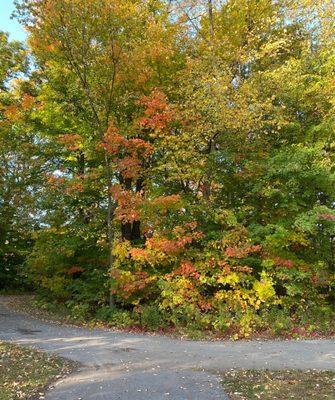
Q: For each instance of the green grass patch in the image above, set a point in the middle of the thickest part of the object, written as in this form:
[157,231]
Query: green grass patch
[279,385]
[25,373]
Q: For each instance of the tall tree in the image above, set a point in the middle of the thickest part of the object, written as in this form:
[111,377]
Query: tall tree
[20,161]
[105,51]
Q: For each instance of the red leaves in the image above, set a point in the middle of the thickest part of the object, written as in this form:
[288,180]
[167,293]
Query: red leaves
[74,270]
[241,252]
[127,154]
[328,217]
[187,269]
[157,113]
[129,203]
[281,262]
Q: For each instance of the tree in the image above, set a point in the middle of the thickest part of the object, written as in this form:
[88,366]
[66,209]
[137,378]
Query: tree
[20,162]
[191,142]
[104,51]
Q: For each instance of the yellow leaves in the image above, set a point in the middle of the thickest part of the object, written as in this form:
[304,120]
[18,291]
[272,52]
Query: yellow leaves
[264,288]
[121,250]
[230,279]
[13,113]
[271,49]
[298,238]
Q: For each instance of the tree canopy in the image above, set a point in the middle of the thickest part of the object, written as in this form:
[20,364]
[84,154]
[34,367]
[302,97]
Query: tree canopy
[172,162]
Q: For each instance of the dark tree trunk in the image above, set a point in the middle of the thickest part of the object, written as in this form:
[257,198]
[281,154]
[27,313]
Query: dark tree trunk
[131,230]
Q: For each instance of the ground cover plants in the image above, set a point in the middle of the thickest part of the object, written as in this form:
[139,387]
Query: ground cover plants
[279,385]
[26,373]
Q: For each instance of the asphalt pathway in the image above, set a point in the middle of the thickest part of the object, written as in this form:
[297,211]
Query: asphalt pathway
[125,366]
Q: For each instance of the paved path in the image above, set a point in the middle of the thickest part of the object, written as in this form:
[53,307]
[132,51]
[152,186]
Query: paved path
[122,366]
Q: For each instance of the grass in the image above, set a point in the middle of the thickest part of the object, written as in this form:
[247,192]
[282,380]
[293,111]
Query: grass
[25,373]
[279,385]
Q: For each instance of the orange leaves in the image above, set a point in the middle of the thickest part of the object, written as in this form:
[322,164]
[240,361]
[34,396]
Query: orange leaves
[165,203]
[71,186]
[116,144]
[182,237]
[186,269]
[128,155]
[72,142]
[138,255]
[139,147]
[158,114]
[204,305]
[167,246]
[74,270]
[129,204]
[74,186]
[129,167]
[281,262]
[55,181]
[135,150]
[113,142]
[12,112]
[27,101]
[241,252]
[128,283]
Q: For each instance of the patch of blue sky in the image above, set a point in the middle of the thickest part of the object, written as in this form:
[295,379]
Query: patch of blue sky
[8,24]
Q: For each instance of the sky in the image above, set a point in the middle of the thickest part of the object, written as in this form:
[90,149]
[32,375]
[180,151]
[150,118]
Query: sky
[16,32]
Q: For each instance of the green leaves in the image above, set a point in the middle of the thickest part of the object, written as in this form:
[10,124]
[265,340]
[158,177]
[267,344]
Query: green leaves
[191,161]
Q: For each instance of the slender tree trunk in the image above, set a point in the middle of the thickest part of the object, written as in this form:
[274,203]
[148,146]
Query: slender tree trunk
[211,146]
[208,175]
[211,20]
[110,213]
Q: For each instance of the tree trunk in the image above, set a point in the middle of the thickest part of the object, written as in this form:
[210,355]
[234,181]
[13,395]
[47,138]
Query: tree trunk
[131,230]
[110,213]
[211,20]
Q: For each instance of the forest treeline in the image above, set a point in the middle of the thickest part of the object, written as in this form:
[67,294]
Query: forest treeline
[170,164]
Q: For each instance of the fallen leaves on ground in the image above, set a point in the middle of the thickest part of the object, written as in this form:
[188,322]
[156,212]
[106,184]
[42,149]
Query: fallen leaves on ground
[279,385]
[25,373]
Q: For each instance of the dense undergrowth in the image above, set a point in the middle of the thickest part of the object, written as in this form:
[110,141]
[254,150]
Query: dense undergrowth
[272,323]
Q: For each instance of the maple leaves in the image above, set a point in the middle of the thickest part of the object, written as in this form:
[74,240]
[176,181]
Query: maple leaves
[128,204]
[240,252]
[157,115]
[128,154]
[72,142]
[203,173]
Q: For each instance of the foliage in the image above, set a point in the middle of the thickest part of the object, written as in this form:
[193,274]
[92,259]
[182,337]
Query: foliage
[181,169]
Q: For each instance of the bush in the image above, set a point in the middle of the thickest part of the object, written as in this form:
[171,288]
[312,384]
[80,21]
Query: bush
[151,317]
[122,319]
